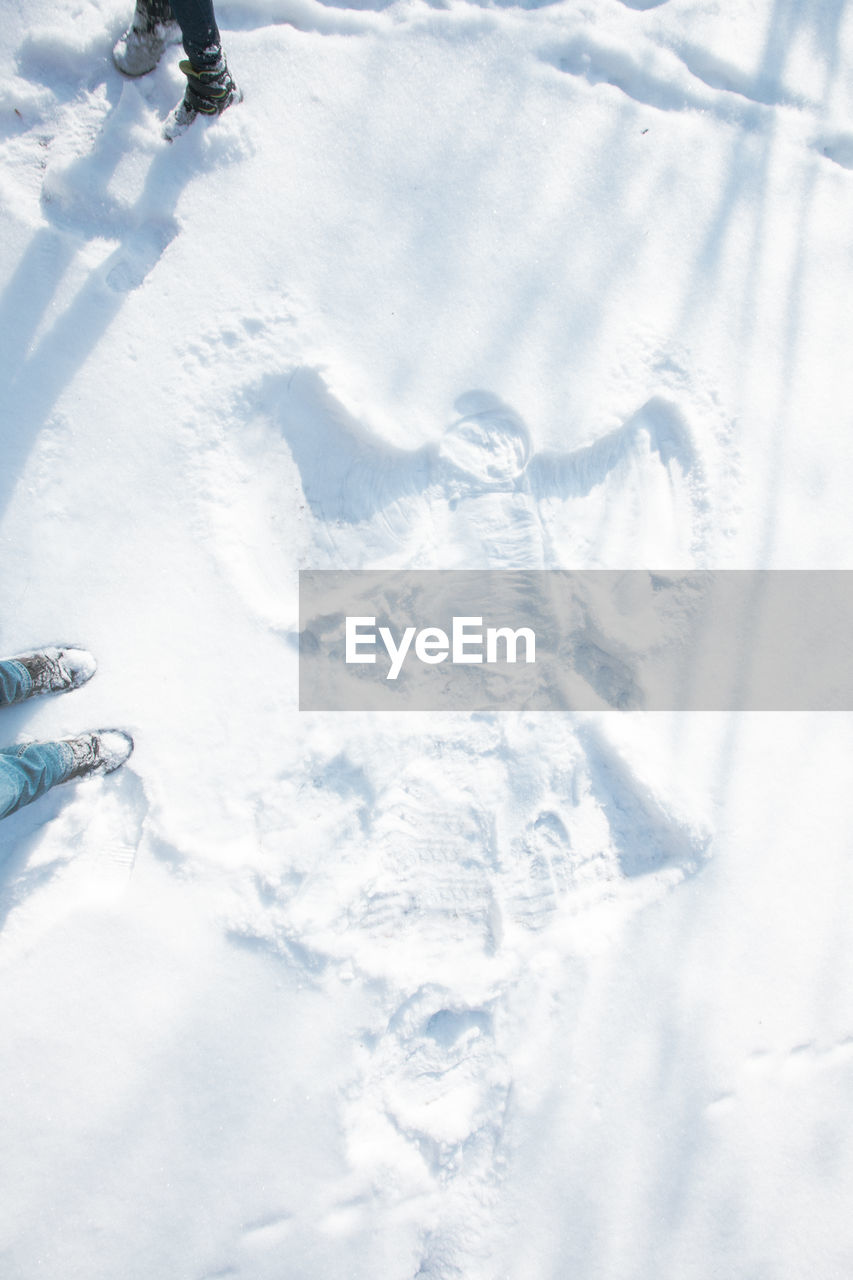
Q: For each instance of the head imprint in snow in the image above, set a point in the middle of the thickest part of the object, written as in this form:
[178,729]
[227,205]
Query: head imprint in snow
[489,442]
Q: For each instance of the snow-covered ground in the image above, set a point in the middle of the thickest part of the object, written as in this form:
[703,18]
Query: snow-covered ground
[516,996]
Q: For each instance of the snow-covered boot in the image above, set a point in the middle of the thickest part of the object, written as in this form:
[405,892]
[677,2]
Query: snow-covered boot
[152,27]
[57,670]
[209,91]
[101,751]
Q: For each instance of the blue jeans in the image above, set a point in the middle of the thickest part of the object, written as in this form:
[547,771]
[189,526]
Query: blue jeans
[27,772]
[15,682]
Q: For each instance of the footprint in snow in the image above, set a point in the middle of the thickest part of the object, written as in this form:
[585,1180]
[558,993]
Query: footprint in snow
[76,848]
[103,191]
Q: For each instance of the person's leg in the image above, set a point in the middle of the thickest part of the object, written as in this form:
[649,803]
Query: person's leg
[199,32]
[141,47]
[44,671]
[152,27]
[15,682]
[156,11]
[28,772]
[210,85]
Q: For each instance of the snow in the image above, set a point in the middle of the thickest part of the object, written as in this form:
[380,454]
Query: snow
[457,286]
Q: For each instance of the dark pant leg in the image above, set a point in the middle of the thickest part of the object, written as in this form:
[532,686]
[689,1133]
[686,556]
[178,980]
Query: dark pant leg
[158,10]
[199,30]
[27,772]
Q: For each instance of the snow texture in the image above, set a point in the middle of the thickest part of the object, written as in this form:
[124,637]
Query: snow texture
[458,285]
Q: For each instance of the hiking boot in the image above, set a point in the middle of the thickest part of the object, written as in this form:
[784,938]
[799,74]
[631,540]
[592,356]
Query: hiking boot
[141,47]
[57,670]
[101,751]
[209,91]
